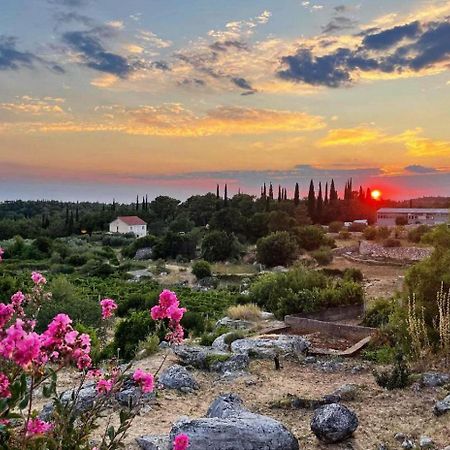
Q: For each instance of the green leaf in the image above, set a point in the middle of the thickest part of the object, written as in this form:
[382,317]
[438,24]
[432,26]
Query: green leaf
[111,433]
[24,402]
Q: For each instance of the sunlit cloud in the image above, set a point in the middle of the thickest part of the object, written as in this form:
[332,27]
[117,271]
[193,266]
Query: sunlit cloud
[350,136]
[34,106]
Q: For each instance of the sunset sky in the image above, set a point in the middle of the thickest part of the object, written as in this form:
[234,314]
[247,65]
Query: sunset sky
[110,98]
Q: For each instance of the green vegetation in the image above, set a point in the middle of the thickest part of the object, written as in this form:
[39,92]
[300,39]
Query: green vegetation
[302,290]
[201,269]
[277,249]
[323,256]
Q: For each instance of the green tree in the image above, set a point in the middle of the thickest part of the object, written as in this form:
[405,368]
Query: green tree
[219,246]
[277,249]
[201,269]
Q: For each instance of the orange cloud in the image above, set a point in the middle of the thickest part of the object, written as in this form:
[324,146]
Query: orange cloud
[350,136]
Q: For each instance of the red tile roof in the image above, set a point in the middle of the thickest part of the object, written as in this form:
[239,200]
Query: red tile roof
[132,220]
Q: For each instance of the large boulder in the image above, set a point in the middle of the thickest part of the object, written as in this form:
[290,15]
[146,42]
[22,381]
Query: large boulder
[442,407]
[220,344]
[207,358]
[269,347]
[230,426]
[177,377]
[333,423]
[236,324]
[143,253]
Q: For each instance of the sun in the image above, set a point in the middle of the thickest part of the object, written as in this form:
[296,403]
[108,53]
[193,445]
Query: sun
[376,194]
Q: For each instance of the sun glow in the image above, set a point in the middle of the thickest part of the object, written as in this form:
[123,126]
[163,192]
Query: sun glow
[376,195]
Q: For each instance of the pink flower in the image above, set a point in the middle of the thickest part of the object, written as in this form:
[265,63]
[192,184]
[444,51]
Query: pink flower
[95,373]
[144,379]
[108,306]
[17,298]
[6,313]
[4,386]
[167,299]
[175,313]
[157,313]
[2,252]
[104,386]
[38,278]
[37,426]
[181,442]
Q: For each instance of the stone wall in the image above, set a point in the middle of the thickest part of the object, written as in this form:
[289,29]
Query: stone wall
[375,250]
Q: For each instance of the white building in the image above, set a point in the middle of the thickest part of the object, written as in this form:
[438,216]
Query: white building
[413,216]
[129,224]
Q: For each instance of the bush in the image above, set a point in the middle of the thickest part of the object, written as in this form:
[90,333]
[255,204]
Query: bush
[344,235]
[83,311]
[194,323]
[323,255]
[149,346]
[357,227]
[219,246]
[378,313]
[383,232]
[415,235]
[370,233]
[137,302]
[335,227]
[201,269]
[352,274]
[207,339]
[382,355]
[143,242]
[391,242]
[309,237]
[250,312]
[95,342]
[276,249]
[97,268]
[131,331]
[398,377]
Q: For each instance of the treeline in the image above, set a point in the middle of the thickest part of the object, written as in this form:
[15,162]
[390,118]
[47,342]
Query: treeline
[246,216]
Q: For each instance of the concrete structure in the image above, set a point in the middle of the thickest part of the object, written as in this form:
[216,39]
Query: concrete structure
[413,216]
[129,224]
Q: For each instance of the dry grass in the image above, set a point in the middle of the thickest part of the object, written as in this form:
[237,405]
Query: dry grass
[249,312]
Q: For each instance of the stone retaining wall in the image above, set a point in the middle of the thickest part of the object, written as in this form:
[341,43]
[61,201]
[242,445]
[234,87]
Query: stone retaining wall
[375,250]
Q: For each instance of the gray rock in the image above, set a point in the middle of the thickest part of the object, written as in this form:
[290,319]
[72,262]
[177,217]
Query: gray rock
[426,442]
[408,444]
[434,379]
[310,360]
[268,348]
[333,423]
[330,366]
[153,442]
[197,356]
[442,406]
[234,324]
[229,426]
[235,364]
[85,400]
[132,395]
[143,253]
[267,315]
[177,377]
[346,392]
[399,437]
[219,343]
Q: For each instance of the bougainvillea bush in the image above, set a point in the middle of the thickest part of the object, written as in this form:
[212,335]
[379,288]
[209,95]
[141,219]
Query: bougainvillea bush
[30,362]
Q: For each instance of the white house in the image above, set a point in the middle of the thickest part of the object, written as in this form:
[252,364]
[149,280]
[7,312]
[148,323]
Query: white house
[129,224]
[413,216]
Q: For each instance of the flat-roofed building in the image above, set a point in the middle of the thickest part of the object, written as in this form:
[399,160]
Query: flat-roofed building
[412,216]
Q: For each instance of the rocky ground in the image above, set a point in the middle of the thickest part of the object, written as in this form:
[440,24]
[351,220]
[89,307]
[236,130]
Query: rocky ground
[381,414]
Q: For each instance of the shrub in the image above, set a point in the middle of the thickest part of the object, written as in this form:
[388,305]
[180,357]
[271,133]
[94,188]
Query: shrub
[353,274]
[194,323]
[97,268]
[344,235]
[149,346]
[77,259]
[323,255]
[233,336]
[382,355]
[136,302]
[207,339]
[309,237]
[370,233]
[132,330]
[219,246]
[391,242]
[415,235]
[250,312]
[398,377]
[335,227]
[378,313]
[383,232]
[276,249]
[357,227]
[201,269]
[143,242]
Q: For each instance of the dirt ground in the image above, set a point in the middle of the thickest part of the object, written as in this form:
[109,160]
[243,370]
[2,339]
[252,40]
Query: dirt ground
[381,413]
[379,280]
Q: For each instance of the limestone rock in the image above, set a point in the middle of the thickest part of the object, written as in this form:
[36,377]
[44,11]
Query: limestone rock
[177,377]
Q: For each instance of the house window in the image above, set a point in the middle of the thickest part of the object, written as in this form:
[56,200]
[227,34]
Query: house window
[142,226]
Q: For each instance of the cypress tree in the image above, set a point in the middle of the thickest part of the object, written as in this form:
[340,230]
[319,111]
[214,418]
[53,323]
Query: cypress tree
[264,191]
[225,195]
[296,195]
[311,200]
[270,192]
[217,191]
[319,207]
[325,202]
[279,193]
[333,192]
[361,194]
[146,202]
[137,202]
[368,194]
